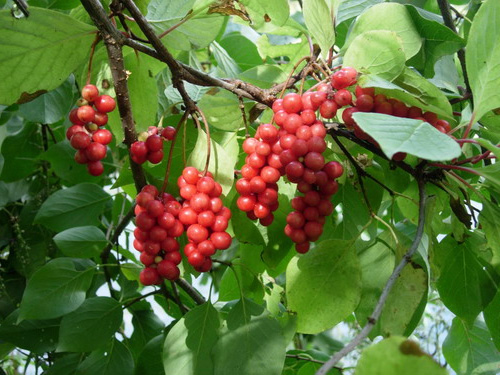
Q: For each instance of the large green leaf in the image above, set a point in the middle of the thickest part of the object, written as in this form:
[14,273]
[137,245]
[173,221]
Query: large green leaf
[39,52]
[466,284]
[163,15]
[467,347]
[55,289]
[90,326]
[222,162]
[262,12]
[146,326]
[222,110]
[439,40]
[251,342]
[395,356]
[294,51]
[377,52]
[188,346]
[323,286]
[150,360]
[72,207]
[52,106]
[242,50]
[19,153]
[412,89]
[264,76]
[403,301]
[492,319]
[392,17]
[65,365]
[81,242]
[416,137]
[319,21]
[39,336]
[489,221]
[109,361]
[352,8]
[483,53]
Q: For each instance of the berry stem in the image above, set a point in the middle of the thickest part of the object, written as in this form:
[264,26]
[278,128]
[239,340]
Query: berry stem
[171,152]
[305,58]
[244,116]
[91,57]
[207,130]
[457,167]
[469,126]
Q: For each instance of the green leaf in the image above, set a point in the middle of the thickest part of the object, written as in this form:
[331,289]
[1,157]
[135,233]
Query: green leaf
[52,106]
[403,301]
[163,15]
[39,52]
[221,162]
[466,284]
[242,50]
[323,286]
[222,110]
[188,346]
[390,357]
[491,173]
[262,12]
[489,221]
[352,8]
[110,361]
[416,137]
[39,336]
[224,62]
[492,319]
[90,326]
[65,365]
[294,51]
[264,76]
[251,342]
[19,153]
[146,326]
[438,40]
[72,207]
[483,53]
[150,360]
[414,90]
[377,52]
[81,242]
[55,290]
[468,347]
[392,17]
[319,21]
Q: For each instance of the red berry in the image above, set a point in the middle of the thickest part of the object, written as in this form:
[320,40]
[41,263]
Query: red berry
[100,119]
[86,113]
[95,151]
[221,240]
[197,233]
[314,161]
[90,93]
[191,175]
[333,169]
[292,123]
[170,244]
[206,218]
[176,230]
[205,185]
[303,247]
[168,133]
[295,219]
[292,103]
[154,143]
[188,216]
[343,97]
[146,259]
[152,247]
[249,145]
[318,97]
[267,132]
[102,136]
[269,175]
[364,103]
[105,103]
[155,157]
[173,256]
[168,270]
[246,203]
[80,157]
[95,168]
[277,105]
[143,198]
[149,276]
[139,148]
[73,129]
[80,140]
[200,202]
[74,118]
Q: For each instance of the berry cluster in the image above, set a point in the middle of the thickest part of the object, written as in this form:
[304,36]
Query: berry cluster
[204,217]
[86,135]
[302,139]
[262,169]
[150,145]
[158,227]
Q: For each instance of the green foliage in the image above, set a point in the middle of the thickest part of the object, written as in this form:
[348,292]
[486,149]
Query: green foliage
[71,301]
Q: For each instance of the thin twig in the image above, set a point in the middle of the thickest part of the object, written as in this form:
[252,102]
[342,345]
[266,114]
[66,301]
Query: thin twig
[372,320]
[177,298]
[192,292]
[140,298]
[244,116]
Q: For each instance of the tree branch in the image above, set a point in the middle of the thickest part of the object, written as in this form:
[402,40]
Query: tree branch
[372,320]
[444,7]
[192,292]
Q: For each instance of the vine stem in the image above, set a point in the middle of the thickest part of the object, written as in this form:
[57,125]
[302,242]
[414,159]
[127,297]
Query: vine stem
[91,57]
[285,86]
[171,152]
[372,320]
[209,141]
[457,167]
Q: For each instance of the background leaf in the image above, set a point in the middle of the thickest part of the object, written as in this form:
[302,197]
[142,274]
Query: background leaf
[483,53]
[55,290]
[110,361]
[34,63]
[81,242]
[75,206]
[319,21]
[90,326]
[416,137]
[323,286]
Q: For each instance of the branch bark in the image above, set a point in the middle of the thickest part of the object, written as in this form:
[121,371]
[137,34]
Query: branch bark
[372,320]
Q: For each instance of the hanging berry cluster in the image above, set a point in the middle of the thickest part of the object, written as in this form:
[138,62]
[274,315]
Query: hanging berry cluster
[86,134]
[150,144]
[261,171]
[204,217]
[161,220]
[156,235]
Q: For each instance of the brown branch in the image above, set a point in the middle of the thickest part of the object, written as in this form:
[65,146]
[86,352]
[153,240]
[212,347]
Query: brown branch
[444,7]
[372,320]
[192,292]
